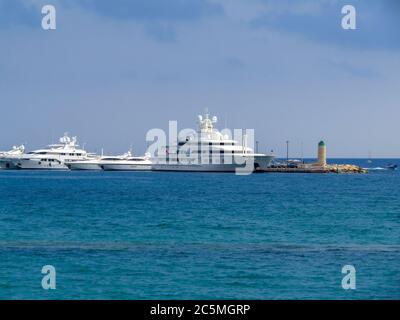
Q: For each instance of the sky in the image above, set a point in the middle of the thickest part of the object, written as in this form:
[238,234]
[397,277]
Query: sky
[112,70]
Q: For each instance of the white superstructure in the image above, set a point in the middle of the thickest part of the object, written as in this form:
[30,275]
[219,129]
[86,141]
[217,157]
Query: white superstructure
[210,150]
[53,157]
[7,157]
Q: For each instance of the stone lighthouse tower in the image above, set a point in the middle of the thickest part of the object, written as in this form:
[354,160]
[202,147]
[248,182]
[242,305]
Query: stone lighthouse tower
[322,153]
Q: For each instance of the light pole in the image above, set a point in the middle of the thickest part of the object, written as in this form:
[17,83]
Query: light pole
[302,153]
[287,153]
[256,146]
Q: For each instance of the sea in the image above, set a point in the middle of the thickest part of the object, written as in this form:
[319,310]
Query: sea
[171,235]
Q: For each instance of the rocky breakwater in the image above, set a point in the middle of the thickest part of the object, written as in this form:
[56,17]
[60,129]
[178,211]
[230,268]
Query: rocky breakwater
[344,168]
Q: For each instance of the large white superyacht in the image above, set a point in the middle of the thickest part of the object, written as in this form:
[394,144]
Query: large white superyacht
[53,157]
[7,158]
[209,150]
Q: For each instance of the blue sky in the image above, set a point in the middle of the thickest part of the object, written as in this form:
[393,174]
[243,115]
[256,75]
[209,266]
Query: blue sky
[114,69]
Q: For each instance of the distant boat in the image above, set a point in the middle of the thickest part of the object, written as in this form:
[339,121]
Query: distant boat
[369,158]
[391,166]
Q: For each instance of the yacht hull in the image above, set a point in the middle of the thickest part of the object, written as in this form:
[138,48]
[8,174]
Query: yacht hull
[259,164]
[126,167]
[84,166]
[34,164]
[7,165]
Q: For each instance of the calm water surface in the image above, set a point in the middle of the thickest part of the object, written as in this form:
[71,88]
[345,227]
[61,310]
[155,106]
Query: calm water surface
[155,235]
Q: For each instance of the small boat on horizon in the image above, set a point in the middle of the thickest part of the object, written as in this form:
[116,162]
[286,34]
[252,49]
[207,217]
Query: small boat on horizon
[369,157]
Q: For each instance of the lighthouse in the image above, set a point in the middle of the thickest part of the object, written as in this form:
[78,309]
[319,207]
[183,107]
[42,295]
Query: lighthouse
[322,153]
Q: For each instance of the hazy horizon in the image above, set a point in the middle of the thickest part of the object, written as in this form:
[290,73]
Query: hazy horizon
[112,70]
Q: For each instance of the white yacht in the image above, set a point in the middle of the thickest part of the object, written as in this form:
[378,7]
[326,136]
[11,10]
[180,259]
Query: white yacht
[126,162]
[7,158]
[53,157]
[91,162]
[210,150]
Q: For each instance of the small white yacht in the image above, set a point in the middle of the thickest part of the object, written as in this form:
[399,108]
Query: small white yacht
[91,162]
[7,158]
[53,157]
[209,150]
[126,162]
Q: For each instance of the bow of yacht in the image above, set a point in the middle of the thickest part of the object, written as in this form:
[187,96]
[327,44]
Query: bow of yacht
[7,158]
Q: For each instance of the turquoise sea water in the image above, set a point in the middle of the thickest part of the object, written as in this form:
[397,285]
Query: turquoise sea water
[155,235]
